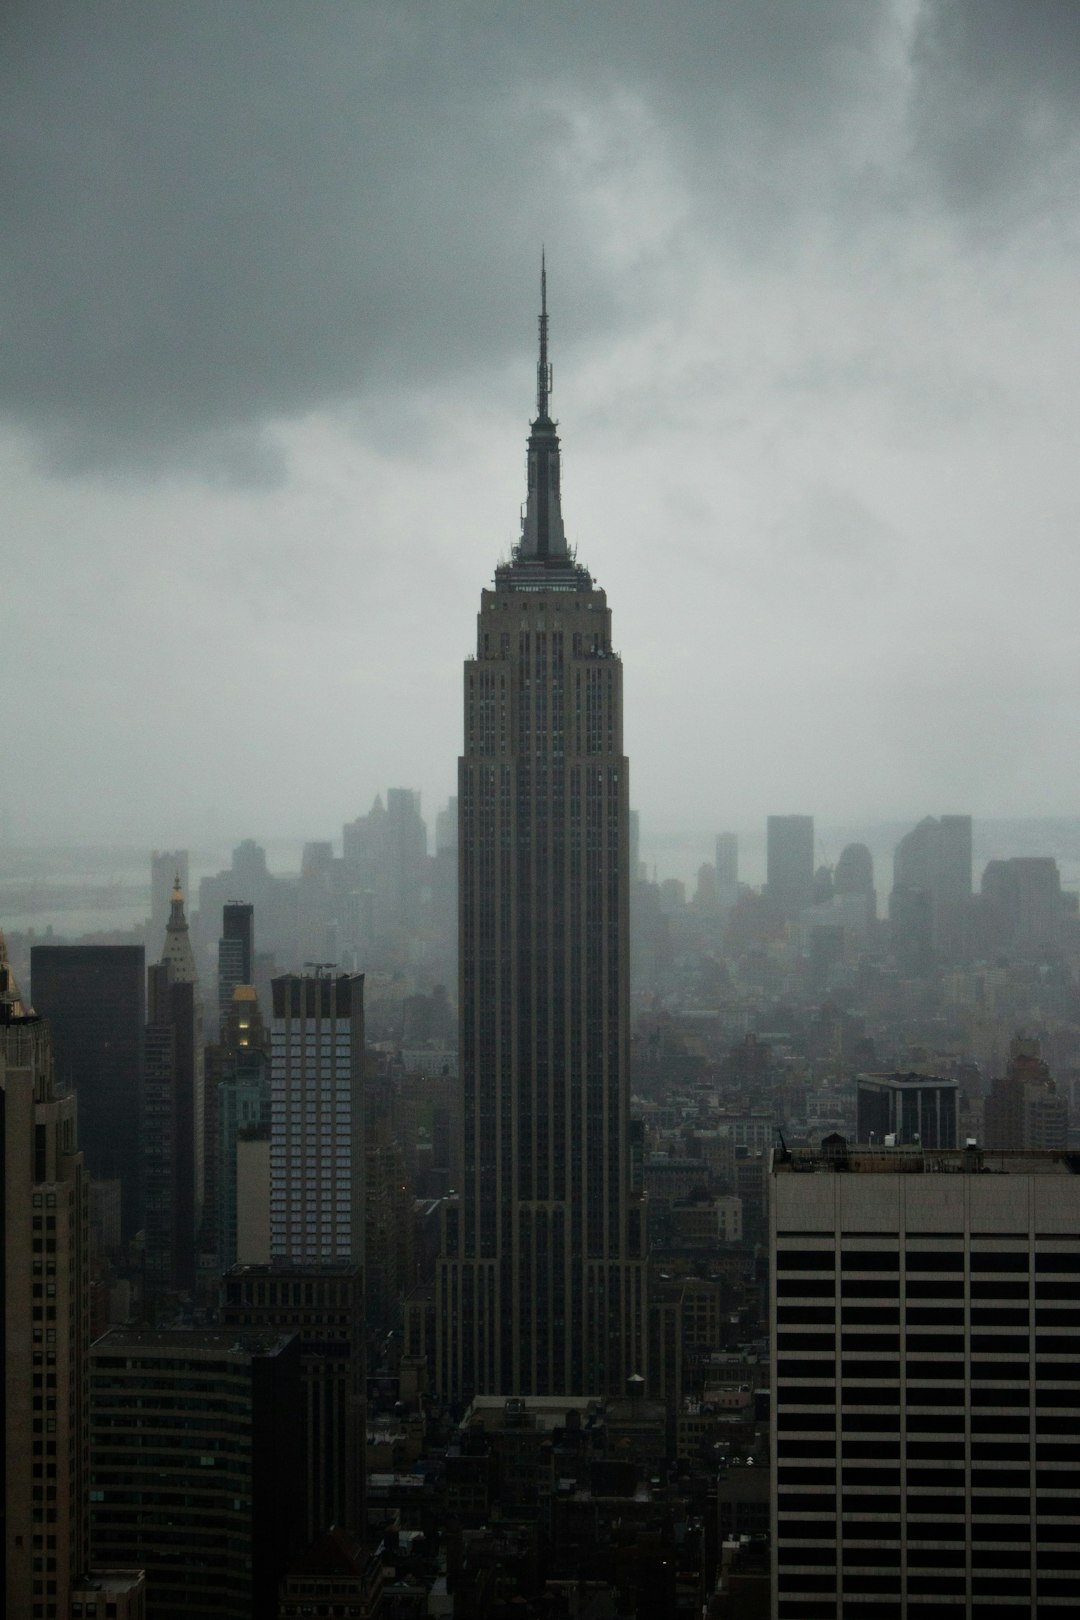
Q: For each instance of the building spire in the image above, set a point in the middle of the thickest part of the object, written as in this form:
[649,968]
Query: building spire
[543,369]
[178,952]
[543,538]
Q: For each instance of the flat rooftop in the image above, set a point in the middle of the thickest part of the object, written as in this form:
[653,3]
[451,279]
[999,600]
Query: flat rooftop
[300,1270]
[535,1412]
[909,1081]
[116,1581]
[193,1341]
[891,1161]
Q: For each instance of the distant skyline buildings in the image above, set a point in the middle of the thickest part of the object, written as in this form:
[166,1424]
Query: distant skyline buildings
[789,863]
[167,867]
[1023,908]
[727,868]
[854,875]
[1024,1107]
[932,868]
[113,892]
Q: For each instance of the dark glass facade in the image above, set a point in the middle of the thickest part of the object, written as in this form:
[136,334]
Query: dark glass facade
[94,999]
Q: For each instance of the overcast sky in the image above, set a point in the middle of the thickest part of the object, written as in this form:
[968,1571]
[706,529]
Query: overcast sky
[269,287]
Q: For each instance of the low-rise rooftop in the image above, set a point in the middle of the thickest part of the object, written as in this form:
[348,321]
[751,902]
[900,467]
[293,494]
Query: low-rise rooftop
[193,1341]
[837,1155]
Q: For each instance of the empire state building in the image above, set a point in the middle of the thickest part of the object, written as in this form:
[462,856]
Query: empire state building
[541,1285]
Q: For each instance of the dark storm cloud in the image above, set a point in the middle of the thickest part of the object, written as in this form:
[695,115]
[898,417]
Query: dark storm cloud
[217,214]
[998,105]
[815,326]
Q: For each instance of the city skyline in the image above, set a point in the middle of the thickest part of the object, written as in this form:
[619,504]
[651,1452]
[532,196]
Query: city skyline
[817,342]
[557,1188]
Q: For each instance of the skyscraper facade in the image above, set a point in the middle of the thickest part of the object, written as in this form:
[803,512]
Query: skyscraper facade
[197,1451]
[927,1400]
[94,998]
[323,1303]
[1024,1108]
[241,1113]
[172,1110]
[317,1117]
[236,954]
[854,875]
[789,863]
[1021,907]
[932,863]
[385,854]
[44,1218]
[727,869]
[541,1286]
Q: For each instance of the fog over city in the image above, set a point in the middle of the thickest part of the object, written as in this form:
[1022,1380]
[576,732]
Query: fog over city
[270,288]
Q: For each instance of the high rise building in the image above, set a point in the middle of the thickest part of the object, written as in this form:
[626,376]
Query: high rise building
[363,842]
[727,869]
[789,863]
[854,875]
[317,1117]
[317,912]
[167,868]
[389,1261]
[954,861]
[446,826]
[94,998]
[913,1109]
[240,1112]
[248,881]
[197,1463]
[927,1396]
[172,1114]
[385,852]
[442,958]
[541,1285]
[236,954]
[44,1220]
[1024,1108]
[406,869]
[323,1302]
[932,862]
[1021,906]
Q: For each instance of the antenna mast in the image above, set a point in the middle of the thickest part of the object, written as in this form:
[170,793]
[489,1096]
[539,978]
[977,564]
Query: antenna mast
[543,369]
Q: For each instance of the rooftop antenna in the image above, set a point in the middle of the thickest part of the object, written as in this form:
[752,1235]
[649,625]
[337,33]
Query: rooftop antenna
[543,369]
